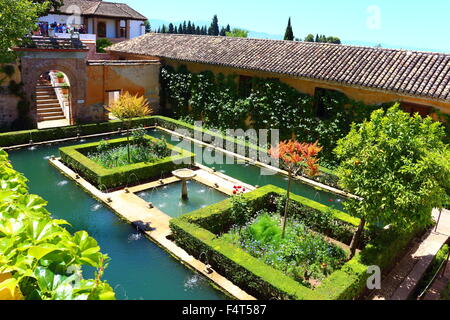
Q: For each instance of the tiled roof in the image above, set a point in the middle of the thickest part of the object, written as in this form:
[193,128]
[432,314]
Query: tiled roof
[101,8]
[423,74]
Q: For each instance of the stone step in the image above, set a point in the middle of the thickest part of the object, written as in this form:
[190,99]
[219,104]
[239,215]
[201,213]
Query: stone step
[46,96]
[50,118]
[50,112]
[47,100]
[48,109]
[48,105]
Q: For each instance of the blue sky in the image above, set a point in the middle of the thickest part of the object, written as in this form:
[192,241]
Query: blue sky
[409,24]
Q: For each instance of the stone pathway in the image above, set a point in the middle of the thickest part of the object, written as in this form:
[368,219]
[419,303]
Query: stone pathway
[401,282]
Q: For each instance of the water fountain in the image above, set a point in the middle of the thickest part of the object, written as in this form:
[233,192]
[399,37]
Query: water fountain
[184,175]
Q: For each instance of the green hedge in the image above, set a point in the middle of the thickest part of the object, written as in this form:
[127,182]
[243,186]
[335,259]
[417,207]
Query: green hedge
[15,138]
[75,158]
[198,232]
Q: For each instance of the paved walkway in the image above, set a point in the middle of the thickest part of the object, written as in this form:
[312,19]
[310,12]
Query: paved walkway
[137,211]
[401,282]
[438,287]
[53,124]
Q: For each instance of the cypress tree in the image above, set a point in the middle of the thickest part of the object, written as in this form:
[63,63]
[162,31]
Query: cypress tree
[171,29]
[184,27]
[214,28]
[289,35]
[198,31]
[176,30]
[180,29]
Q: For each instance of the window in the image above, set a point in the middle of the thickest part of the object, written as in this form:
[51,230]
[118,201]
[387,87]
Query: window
[413,108]
[245,86]
[101,30]
[321,101]
[122,29]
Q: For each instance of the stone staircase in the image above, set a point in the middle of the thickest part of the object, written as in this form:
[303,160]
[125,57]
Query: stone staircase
[48,107]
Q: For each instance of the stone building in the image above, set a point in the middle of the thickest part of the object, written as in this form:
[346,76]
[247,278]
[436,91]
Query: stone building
[86,85]
[419,80]
[115,21]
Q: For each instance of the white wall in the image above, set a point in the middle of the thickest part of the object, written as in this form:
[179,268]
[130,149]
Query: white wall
[110,28]
[137,28]
[51,18]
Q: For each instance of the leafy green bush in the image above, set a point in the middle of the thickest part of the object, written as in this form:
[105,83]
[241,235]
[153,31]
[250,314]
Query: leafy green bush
[102,44]
[44,259]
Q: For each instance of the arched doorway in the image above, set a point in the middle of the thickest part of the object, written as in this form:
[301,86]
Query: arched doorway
[53,100]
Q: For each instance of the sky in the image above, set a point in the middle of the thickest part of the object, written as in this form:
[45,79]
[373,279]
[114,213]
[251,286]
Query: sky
[408,24]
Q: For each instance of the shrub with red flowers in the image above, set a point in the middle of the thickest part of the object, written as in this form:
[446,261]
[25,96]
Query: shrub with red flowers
[241,211]
[239,190]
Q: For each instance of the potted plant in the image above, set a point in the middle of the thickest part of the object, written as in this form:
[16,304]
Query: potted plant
[65,89]
[60,77]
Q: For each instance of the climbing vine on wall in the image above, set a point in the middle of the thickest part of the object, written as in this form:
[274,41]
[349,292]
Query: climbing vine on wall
[271,104]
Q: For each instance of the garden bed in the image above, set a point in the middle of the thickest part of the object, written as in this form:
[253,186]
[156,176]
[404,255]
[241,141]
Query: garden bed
[86,160]
[205,232]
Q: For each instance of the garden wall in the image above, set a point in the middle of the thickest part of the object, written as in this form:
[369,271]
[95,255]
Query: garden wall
[308,86]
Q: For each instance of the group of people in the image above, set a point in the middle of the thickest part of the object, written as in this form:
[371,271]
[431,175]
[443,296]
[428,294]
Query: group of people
[46,29]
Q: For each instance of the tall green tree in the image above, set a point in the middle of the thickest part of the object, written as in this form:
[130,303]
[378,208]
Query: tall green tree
[17,19]
[399,167]
[171,28]
[214,28]
[289,35]
[148,27]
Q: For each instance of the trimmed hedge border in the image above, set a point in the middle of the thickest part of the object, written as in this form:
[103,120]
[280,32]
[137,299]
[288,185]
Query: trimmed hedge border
[15,138]
[198,232]
[75,158]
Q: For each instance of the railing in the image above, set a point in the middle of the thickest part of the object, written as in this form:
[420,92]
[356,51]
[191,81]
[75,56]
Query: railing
[82,37]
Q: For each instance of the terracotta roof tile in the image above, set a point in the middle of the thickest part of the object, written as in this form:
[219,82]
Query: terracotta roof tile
[424,74]
[101,8]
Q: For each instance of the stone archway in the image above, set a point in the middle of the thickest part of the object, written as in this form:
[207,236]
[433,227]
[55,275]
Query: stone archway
[72,64]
